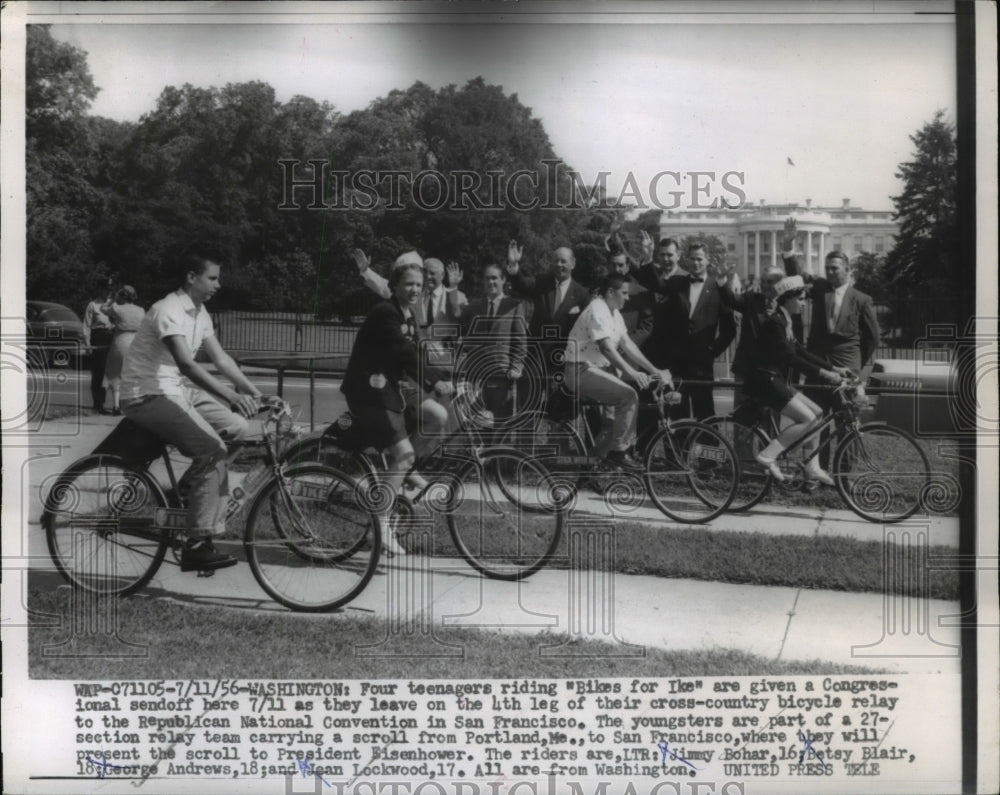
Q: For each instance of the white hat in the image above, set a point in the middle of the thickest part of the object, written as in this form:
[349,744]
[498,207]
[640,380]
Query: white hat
[409,258]
[790,284]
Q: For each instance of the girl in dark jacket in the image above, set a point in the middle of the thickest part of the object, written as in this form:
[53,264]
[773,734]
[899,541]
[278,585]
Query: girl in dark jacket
[778,355]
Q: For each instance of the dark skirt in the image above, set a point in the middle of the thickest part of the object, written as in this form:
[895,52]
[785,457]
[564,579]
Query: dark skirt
[769,388]
[383,428]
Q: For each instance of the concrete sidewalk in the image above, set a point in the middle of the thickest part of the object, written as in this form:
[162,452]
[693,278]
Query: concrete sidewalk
[673,614]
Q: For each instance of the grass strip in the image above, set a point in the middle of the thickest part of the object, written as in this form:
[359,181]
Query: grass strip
[822,563]
[180,641]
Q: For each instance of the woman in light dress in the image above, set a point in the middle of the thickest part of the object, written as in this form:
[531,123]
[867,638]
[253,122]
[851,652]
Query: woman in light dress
[126,316]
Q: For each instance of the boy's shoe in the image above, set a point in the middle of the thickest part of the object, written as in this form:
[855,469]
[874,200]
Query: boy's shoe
[621,459]
[199,554]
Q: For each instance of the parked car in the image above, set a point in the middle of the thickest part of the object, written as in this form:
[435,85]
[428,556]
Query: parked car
[54,334]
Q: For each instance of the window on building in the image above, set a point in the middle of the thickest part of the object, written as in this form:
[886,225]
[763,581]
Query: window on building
[731,247]
[766,245]
[879,244]
[857,242]
[838,243]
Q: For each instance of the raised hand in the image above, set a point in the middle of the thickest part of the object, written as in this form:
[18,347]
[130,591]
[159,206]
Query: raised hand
[647,246]
[788,239]
[361,260]
[454,274]
[616,224]
[514,252]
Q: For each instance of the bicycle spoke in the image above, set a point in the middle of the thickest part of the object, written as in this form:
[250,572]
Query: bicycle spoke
[312,539]
[98,522]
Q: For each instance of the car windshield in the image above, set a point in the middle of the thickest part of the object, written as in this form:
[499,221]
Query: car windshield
[58,313]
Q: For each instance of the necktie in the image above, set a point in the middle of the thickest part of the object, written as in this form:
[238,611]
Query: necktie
[831,310]
[491,313]
[697,279]
[429,316]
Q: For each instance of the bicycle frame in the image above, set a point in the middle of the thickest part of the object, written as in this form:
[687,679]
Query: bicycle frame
[174,519]
[830,420]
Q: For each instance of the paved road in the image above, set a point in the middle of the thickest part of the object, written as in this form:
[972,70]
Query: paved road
[69,388]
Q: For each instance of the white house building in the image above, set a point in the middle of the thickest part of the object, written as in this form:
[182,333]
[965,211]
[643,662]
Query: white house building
[753,234]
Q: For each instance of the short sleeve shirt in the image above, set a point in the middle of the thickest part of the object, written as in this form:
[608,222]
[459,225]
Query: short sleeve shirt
[150,368]
[596,322]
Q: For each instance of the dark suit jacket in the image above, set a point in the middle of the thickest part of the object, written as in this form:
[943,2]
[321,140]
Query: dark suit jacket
[752,307]
[638,314]
[544,312]
[856,335]
[492,345]
[382,347]
[683,342]
[779,354]
[649,277]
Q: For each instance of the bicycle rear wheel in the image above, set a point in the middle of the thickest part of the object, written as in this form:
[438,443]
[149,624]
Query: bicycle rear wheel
[99,526]
[507,532]
[555,443]
[881,472]
[747,442]
[691,472]
[312,538]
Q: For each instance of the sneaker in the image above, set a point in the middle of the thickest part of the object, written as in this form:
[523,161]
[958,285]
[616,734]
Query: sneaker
[390,544]
[819,475]
[621,459]
[391,547]
[200,555]
[771,466]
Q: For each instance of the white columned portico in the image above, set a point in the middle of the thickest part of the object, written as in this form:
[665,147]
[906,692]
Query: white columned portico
[809,252]
[774,248]
[756,253]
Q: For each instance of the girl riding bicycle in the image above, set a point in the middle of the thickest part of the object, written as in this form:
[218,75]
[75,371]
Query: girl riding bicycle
[387,386]
[778,354]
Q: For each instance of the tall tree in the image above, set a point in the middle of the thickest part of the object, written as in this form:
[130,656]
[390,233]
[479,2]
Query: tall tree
[922,269]
[61,199]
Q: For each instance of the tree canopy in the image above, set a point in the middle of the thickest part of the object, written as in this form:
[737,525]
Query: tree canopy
[208,167]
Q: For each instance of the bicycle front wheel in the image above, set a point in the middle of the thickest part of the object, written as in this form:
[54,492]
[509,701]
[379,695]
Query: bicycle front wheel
[312,538]
[881,472]
[99,526]
[555,443]
[507,531]
[747,442]
[691,472]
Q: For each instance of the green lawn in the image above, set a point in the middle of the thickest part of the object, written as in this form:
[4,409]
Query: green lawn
[187,641]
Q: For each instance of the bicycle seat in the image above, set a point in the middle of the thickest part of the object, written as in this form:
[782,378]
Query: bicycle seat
[137,445]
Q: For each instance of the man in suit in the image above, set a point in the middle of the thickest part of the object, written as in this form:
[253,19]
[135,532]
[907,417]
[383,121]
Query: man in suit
[654,273]
[843,328]
[493,341]
[558,299]
[691,328]
[639,308]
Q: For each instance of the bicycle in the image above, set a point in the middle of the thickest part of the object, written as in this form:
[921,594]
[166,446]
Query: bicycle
[109,523]
[880,471]
[690,471]
[505,534]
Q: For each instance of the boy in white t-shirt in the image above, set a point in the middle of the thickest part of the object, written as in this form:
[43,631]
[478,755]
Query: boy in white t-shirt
[597,352]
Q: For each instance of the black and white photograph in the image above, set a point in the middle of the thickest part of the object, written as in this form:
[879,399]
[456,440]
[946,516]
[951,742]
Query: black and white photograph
[500,397]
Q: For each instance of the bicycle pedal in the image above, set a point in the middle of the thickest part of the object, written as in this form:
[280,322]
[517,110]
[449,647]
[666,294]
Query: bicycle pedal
[206,572]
